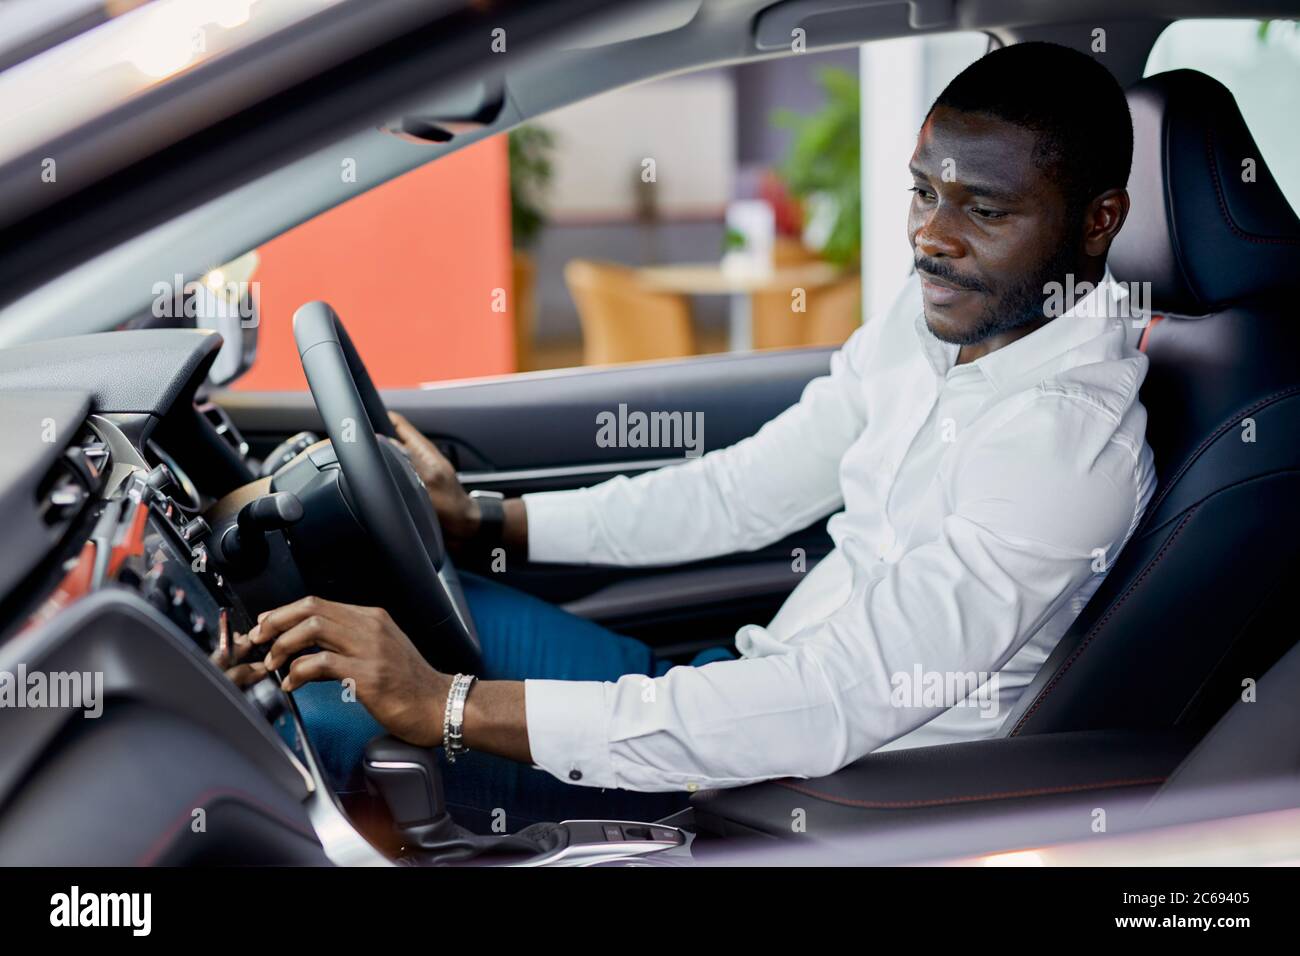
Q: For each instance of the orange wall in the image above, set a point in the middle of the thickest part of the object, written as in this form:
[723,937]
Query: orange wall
[410,267]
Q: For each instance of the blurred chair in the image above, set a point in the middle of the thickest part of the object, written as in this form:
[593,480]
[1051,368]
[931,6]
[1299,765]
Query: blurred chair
[622,320]
[832,312]
[775,325]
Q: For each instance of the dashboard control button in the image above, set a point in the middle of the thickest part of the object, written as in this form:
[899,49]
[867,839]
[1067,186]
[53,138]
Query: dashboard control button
[159,479]
[194,530]
[267,697]
[158,599]
[287,451]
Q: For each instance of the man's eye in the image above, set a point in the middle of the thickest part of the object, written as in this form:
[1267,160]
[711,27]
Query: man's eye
[923,193]
[985,213]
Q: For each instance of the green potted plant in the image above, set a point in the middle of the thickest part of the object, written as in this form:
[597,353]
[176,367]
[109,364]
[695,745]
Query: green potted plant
[823,167]
[529,150]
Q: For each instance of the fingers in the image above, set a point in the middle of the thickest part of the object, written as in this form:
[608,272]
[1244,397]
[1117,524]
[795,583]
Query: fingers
[241,674]
[271,624]
[405,430]
[245,675]
[240,645]
[311,631]
[424,452]
[325,665]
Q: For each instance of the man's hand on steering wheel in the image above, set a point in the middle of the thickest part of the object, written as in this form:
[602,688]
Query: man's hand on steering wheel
[391,678]
[458,513]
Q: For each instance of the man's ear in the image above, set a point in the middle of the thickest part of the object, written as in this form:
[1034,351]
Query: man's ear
[1102,221]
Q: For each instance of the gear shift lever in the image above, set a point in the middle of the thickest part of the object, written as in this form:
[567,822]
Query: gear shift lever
[408,779]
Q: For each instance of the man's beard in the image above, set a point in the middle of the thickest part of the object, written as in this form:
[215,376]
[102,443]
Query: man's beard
[1018,305]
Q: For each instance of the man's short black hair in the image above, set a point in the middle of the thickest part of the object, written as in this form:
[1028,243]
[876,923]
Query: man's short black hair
[1072,102]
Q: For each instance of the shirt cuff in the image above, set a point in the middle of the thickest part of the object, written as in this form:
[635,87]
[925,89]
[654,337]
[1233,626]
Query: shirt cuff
[567,730]
[558,526]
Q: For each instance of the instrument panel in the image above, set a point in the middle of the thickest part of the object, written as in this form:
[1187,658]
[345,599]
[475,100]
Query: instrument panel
[171,570]
[144,540]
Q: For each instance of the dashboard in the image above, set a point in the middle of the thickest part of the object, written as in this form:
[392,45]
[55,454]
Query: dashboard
[143,539]
[113,467]
[140,539]
[133,520]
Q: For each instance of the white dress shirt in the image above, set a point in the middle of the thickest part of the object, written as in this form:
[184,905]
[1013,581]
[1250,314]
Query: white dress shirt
[982,504]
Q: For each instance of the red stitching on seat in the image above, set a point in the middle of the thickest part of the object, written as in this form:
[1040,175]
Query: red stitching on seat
[1096,628]
[967,798]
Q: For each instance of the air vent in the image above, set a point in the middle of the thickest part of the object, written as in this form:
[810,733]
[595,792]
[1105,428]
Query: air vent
[224,427]
[94,450]
[77,475]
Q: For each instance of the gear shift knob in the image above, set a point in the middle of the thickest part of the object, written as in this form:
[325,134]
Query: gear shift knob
[408,779]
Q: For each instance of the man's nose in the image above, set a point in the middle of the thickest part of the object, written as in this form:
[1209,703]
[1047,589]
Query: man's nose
[934,235]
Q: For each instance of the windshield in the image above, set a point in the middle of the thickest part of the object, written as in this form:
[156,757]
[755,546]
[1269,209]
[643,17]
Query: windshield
[57,89]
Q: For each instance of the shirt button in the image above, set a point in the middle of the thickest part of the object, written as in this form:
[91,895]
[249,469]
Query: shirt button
[575,774]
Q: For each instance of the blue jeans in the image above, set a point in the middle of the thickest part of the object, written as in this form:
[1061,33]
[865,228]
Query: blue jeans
[522,637]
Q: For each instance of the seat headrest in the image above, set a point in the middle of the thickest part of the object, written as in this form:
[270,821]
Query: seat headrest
[1208,224]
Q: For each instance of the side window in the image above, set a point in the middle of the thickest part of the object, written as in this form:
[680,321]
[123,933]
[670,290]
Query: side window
[728,209]
[701,213]
[1259,61]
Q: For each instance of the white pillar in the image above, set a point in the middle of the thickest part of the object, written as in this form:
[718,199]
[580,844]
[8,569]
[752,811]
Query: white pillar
[892,76]
[899,79]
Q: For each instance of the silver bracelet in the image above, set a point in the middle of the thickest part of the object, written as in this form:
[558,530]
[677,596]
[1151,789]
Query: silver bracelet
[453,718]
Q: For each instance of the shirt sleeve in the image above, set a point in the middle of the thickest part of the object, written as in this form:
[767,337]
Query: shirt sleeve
[1005,558]
[734,499]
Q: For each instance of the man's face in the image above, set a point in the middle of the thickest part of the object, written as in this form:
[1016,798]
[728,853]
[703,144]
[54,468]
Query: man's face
[988,227]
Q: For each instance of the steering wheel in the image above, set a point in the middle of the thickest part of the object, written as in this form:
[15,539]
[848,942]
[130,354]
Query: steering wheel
[383,489]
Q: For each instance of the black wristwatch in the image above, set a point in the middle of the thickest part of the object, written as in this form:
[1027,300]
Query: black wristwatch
[491,522]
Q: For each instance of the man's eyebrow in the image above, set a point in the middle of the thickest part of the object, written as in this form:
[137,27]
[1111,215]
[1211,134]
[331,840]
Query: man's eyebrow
[989,191]
[985,190]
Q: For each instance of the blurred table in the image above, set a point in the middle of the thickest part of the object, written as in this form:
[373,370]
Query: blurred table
[712,279]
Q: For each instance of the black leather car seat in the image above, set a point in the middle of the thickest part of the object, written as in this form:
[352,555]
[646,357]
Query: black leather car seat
[1186,613]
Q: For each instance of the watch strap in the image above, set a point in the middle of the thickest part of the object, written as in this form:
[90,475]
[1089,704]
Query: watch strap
[492,520]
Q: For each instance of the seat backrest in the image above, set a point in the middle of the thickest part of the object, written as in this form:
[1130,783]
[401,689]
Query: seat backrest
[1184,614]
[624,321]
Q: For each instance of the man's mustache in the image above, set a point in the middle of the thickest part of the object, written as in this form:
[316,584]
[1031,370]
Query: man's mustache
[939,270]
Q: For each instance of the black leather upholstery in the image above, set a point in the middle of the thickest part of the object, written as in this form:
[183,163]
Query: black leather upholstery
[1186,612]
[946,782]
[1202,231]
[1182,617]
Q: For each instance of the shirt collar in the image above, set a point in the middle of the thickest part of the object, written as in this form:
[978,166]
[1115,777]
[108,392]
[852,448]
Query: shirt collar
[1090,316]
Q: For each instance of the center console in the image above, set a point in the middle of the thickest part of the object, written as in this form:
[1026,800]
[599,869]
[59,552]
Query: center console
[408,780]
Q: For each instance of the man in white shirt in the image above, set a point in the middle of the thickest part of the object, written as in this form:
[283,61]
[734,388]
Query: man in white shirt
[981,447]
